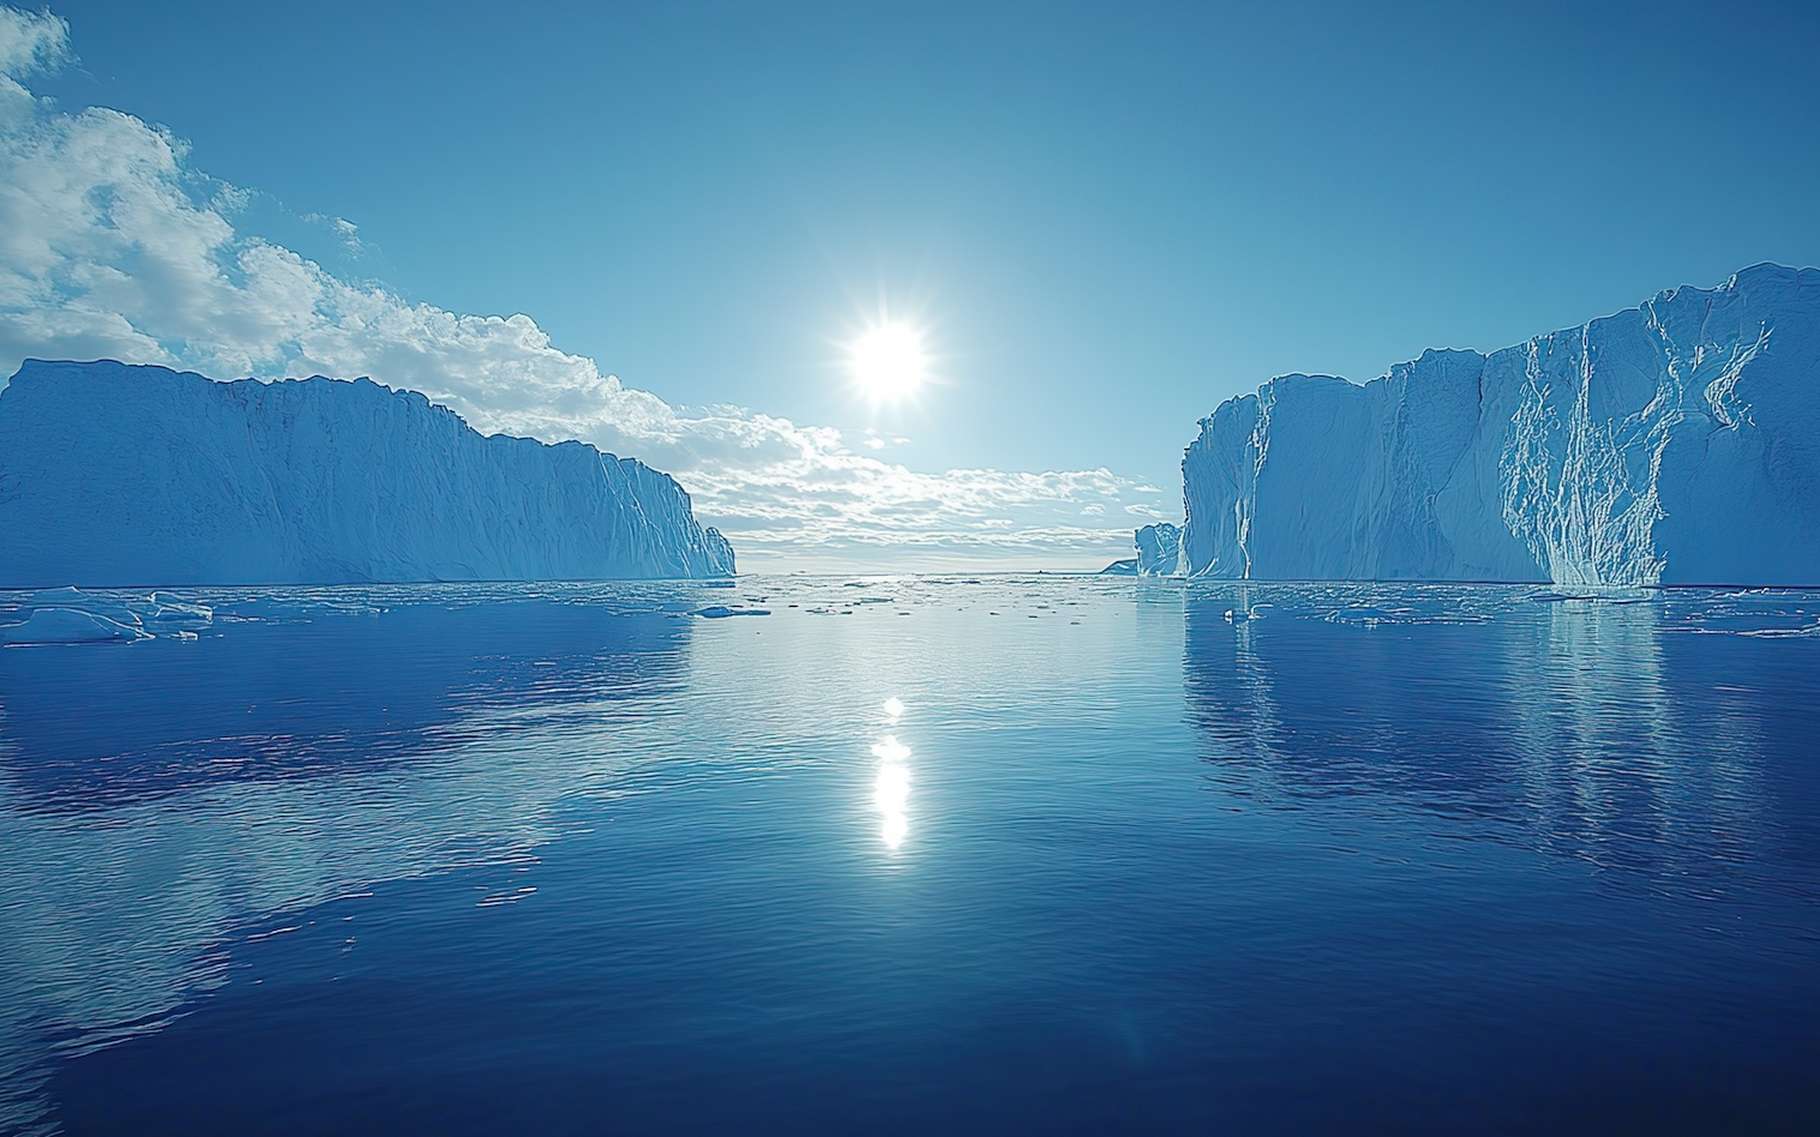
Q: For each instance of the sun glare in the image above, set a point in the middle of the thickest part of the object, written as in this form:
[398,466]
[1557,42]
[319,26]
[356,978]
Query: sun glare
[888,362]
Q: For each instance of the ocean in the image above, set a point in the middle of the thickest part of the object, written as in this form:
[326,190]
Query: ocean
[996,854]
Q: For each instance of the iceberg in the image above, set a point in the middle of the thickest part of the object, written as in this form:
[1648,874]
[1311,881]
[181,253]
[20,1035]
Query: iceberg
[114,475]
[1159,549]
[1677,442]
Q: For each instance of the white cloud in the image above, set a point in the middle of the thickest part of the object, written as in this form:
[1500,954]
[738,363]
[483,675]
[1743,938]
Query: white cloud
[31,42]
[113,245]
[344,230]
[1148,512]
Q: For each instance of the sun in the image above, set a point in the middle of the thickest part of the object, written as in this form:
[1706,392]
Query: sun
[888,362]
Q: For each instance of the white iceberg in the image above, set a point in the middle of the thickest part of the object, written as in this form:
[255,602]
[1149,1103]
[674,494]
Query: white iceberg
[123,476]
[1673,443]
[1159,549]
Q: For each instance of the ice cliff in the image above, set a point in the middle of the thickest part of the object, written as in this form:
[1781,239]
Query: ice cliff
[1676,442]
[118,475]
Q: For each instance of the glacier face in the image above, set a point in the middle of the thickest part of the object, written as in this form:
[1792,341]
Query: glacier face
[1673,443]
[131,475]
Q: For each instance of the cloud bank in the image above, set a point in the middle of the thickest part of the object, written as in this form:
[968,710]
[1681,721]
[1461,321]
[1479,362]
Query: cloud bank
[112,244]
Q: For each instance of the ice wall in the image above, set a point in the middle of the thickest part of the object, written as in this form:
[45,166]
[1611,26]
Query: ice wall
[1675,442]
[118,475]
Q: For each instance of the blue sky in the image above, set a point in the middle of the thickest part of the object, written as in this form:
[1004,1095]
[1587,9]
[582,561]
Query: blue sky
[1108,220]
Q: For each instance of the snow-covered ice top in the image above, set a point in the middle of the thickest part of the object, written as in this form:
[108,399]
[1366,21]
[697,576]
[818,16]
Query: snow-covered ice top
[1675,442]
[131,475]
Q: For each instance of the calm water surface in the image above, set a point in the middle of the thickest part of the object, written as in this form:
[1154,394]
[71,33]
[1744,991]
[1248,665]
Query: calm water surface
[1032,855]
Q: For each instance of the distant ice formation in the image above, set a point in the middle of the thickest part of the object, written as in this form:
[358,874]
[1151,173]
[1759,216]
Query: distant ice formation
[1159,553]
[118,475]
[1673,443]
[1159,550]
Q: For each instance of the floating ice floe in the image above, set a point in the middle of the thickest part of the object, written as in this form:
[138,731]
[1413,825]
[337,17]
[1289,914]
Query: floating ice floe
[164,614]
[70,615]
[119,611]
[1784,633]
[68,626]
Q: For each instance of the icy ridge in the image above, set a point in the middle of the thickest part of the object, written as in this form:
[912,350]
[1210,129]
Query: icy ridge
[1674,442]
[137,475]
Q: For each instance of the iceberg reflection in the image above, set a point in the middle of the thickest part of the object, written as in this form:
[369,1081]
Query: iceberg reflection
[1589,727]
[148,818]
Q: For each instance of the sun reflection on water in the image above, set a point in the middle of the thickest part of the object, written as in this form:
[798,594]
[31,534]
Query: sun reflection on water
[891,787]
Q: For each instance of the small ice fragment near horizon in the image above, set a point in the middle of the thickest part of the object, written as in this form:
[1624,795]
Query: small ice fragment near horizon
[1812,629]
[721,612]
[68,626]
[176,615]
[73,598]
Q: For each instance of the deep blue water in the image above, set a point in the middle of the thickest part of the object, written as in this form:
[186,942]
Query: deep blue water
[483,860]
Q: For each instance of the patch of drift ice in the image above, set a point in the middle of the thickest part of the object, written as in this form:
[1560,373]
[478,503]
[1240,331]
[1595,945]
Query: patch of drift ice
[1805,632]
[1601,596]
[68,626]
[119,611]
[71,616]
[1673,443]
[178,617]
[118,475]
